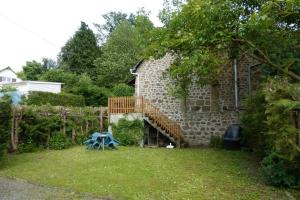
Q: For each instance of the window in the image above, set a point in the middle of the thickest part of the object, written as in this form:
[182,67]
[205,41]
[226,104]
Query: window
[7,79]
[14,80]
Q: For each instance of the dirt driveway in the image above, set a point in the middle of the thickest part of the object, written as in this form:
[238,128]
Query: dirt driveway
[15,189]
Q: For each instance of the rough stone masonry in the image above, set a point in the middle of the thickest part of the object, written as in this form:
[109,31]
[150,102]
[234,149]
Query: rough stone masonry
[204,114]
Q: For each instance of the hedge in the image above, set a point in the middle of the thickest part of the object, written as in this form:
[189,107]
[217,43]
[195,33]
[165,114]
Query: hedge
[61,99]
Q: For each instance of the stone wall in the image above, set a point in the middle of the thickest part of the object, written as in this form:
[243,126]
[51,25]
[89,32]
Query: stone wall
[197,117]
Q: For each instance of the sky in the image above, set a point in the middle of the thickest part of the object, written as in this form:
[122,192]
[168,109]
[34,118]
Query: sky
[36,29]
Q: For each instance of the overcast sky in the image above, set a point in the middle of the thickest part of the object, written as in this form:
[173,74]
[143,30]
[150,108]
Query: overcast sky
[33,29]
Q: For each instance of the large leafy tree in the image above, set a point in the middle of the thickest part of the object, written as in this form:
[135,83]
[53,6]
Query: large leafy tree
[112,20]
[121,51]
[32,70]
[206,34]
[80,51]
[123,48]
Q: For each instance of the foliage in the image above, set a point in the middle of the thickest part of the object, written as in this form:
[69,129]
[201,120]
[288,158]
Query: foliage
[80,139]
[278,172]
[206,35]
[112,20]
[123,48]
[80,51]
[253,122]
[94,95]
[128,132]
[59,141]
[7,88]
[5,125]
[26,147]
[216,141]
[170,9]
[47,126]
[269,128]
[36,128]
[61,99]
[32,70]
[81,85]
[121,51]
[59,75]
[282,133]
[122,89]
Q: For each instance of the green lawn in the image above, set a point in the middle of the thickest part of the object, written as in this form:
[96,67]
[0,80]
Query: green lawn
[137,173]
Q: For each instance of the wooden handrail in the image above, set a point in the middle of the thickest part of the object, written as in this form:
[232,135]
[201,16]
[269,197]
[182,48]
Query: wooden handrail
[131,104]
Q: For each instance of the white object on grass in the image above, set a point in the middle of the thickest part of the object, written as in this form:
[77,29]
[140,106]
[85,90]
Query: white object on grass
[170,146]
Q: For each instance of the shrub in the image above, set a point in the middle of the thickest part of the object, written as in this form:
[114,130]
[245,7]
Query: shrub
[128,132]
[253,123]
[36,128]
[26,146]
[216,141]
[122,89]
[59,141]
[94,95]
[279,172]
[62,99]
[80,138]
[269,127]
[5,118]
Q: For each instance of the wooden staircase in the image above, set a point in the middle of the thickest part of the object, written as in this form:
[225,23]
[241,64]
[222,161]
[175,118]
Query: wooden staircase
[151,114]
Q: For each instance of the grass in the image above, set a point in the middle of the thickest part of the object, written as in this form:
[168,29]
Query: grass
[137,173]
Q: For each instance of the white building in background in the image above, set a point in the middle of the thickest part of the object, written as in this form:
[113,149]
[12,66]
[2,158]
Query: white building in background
[9,78]
[7,75]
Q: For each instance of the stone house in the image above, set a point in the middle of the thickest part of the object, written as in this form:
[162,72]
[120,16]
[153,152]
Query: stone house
[204,114]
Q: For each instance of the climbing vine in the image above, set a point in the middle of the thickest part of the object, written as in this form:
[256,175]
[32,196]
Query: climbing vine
[54,127]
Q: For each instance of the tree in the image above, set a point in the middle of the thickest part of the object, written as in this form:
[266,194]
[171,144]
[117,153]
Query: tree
[49,63]
[170,8]
[124,46]
[206,34]
[80,51]
[59,75]
[32,70]
[122,89]
[122,50]
[112,20]
[94,95]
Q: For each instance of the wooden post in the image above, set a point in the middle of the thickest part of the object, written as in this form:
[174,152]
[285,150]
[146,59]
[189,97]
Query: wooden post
[73,135]
[101,118]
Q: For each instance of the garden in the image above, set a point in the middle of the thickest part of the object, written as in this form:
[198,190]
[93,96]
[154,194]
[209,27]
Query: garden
[41,140]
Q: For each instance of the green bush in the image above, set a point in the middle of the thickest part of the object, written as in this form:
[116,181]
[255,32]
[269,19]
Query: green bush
[123,89]
[269,127]
[253,123]
[128,132]
[61,99]
[59,141]
[80,138]
[5,118]
[279,172]
[94,95]
[36,128]
[26,146]
[216,141]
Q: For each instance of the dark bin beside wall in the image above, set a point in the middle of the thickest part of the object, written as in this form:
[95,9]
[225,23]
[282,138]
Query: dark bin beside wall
[233,136]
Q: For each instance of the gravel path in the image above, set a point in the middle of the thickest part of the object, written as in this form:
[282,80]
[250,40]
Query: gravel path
[15,189]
